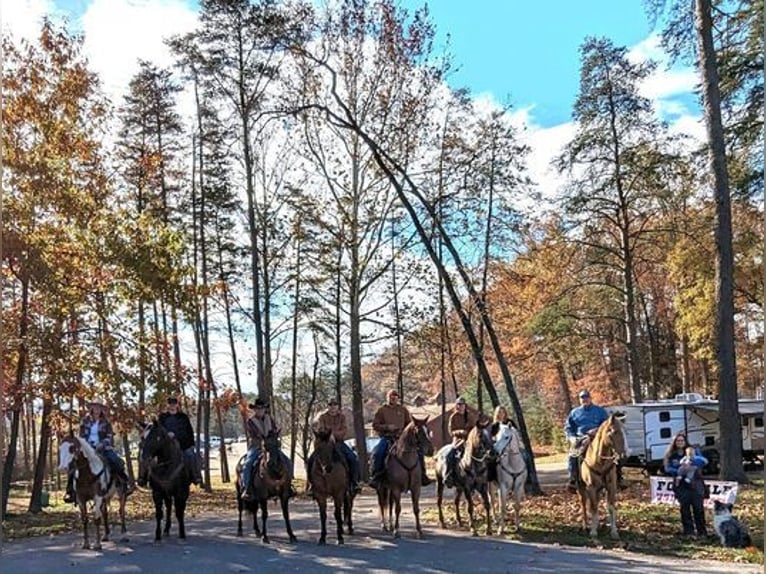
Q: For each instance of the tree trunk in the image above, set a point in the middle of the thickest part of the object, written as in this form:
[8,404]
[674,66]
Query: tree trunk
[730,446]
[35,499]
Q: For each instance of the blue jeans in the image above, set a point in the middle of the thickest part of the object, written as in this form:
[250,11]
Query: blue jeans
[252,457]
[114,460]
[379,455]
[351,460]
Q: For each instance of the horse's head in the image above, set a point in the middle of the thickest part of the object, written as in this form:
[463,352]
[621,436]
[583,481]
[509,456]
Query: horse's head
[155,441]
[324,450]
[507,440]
[479,447]
[271,453]
[423,436]
[68,448]
[612,439]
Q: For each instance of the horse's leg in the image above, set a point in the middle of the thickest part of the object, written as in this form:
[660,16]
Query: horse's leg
[180,501]
[458,495]
[584,506]
[84,519]
[339,498]
[518,492]
[611,500]
[415,493]
[348,511]
[123,500]
[264,504]
[502,490]
[382,503]
[469,501]
[240,508]
[158,505]
[593,497]
[487,508]
[98,510]
[397,502]
[439,498]
[391,507]
[105,520]
[285,500]
[322,503]
[168,512]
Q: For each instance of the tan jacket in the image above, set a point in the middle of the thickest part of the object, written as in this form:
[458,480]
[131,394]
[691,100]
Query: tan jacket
[390,420]
[460,425]
[258,429]
[332,423]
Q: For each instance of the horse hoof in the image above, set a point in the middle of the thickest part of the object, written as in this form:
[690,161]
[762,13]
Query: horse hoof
[97,547]
[419,535]
[321,542]
[85,546]
[266,540]
[124,539]
[341,542]
[293,539]
[397,535]
[239,533]
[615,536]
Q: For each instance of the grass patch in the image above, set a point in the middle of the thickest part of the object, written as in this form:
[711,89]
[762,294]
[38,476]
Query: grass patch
[644,527]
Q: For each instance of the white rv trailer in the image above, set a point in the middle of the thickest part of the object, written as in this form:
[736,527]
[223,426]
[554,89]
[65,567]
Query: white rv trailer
[650,426]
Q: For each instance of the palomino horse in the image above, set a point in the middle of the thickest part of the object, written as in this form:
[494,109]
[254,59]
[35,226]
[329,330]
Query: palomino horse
[598,472]
[511,471]
[404,472]
[471,475]
[94,482]
[271,479]
[329,479]
[168,474]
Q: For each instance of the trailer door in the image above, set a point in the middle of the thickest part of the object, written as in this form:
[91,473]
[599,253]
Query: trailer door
[662,424]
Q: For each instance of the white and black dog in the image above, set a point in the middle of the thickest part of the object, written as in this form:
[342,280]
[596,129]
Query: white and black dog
[732,532]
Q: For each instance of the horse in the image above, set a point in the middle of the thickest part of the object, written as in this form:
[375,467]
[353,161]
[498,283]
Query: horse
[271,479]
[403,471]
[511,472]
[329,479]
[93,481]
[170,478]
[598,472]
[471,475]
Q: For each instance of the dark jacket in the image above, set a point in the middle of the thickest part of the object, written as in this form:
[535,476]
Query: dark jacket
[180,425]
[105,432]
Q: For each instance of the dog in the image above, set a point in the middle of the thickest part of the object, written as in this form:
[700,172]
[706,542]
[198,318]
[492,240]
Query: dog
[732,532]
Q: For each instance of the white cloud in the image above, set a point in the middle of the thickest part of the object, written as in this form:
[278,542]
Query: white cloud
[120,32]
[22,18]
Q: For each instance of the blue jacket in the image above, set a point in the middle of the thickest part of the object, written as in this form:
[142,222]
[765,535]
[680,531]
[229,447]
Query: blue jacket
[674,462]
[584,419]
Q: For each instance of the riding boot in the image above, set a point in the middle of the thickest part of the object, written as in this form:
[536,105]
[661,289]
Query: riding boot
[130,486]
[70,496]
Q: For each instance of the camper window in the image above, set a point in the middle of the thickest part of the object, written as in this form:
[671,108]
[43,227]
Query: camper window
[664,417]
[759,422]
[709,440]
[665,433]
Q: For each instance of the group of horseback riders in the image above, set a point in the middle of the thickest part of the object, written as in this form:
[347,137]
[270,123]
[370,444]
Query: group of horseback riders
[389,421]
[97,430]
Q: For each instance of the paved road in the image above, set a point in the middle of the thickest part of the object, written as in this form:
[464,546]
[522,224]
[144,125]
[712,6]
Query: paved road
[212,547]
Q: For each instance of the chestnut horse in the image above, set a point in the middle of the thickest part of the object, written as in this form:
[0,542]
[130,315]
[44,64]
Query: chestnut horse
[404,472]
[471,475]
[271,479]
[329,479]
[598,473]
[94,482]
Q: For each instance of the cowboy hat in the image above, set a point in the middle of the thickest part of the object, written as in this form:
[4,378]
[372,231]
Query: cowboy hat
[97,401]
[258,404]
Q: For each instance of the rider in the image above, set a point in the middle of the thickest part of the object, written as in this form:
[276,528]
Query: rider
[581,426]
[178,425]
[461,421]
[333,420]
[389,421]
[258,426]
[97,430]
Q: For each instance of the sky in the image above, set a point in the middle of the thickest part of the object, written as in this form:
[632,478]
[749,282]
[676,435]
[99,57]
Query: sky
[525,53]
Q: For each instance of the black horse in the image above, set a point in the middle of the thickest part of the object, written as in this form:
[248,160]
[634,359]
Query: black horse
[169,477]
[271,479]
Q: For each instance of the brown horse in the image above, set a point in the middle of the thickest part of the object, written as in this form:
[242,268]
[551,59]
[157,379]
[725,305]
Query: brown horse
[471,475]
[329,479]
[271,479]
[598,473]
[404,472]
[94,482]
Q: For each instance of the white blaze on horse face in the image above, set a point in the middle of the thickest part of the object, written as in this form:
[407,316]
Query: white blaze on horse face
[65,455]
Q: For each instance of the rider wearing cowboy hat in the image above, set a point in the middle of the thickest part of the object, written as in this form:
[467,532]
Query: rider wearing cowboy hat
[333,420]
[258,426]
[97,430]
